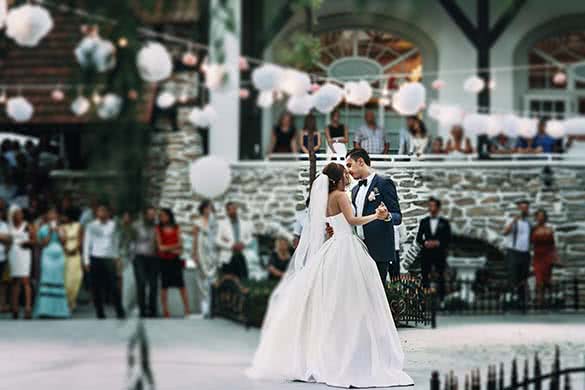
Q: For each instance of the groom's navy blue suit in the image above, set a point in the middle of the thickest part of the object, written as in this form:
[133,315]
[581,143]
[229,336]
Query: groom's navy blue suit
[379,235]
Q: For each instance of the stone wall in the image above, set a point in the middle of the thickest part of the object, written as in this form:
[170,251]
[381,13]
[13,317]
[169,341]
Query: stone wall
[476,198]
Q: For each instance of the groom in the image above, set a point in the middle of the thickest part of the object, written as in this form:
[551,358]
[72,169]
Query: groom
[367,196]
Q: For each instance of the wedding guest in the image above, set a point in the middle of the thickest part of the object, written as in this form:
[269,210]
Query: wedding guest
[146,264]
[419,141]
[127,241]
[279,260]
[542,142]
[5,241]
[169,249]
[458,143]
[523,145]
[437,146]
[502,144]
[20,257]
[517,243]
[101,258]
[284,135]
[72,232]
[89,212]
[399,239]
[370,137]
[205,252]
[233,237]
[434,235]
[51,299]
[337,136]
[545,253]
[406,135]
[310,127]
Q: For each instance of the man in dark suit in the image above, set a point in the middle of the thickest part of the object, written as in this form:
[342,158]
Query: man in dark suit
[373,190]
[434,235]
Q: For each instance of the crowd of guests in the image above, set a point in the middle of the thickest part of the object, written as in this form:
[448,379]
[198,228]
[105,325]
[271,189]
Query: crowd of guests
[414,139]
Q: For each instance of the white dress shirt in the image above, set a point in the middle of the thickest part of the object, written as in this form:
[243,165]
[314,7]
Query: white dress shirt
[522,243]
[101,240]
[360,201]
[434,223]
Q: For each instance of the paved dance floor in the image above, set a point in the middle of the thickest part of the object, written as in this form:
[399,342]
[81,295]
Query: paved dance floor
[212,354]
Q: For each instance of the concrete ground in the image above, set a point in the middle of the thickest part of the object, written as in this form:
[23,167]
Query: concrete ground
[213,354]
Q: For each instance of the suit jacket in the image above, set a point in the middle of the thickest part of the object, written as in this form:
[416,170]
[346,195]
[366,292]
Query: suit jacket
[442,234]
[379,235]
[225,239]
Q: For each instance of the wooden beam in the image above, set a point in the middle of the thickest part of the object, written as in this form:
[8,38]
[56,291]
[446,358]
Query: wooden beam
[504,21]
[459,17]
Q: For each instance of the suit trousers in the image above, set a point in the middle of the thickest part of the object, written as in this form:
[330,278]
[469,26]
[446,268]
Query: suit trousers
[395,266]
[104,281]
[237,266]
[432,262]
[383,267]
[146,273]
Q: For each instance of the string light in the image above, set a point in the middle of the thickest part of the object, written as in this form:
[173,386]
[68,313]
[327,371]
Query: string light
[57,94]
[96,98]
[122,42]
[3,96]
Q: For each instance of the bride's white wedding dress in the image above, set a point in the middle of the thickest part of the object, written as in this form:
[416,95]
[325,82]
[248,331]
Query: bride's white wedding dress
[329,320]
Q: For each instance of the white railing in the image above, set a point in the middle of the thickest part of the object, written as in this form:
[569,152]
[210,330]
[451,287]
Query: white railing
[427,157]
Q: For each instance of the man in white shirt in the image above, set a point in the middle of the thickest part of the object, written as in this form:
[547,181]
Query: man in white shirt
[101,258]
[370,137]
[517,242]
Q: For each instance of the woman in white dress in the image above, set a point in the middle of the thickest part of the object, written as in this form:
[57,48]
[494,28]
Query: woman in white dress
[20,258]
[328,321]
[205,253]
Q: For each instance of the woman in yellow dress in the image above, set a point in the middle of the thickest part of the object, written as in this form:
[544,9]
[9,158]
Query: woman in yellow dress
[73,233]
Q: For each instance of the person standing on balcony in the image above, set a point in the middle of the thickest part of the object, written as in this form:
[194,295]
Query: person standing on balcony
[309,128]
[542,142]
[284,135]
[517,233]
[458,144]
[420,141]
[370,137]
[434,236]
[337,135]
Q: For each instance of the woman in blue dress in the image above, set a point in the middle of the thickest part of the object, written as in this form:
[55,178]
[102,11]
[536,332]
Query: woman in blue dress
[51,299]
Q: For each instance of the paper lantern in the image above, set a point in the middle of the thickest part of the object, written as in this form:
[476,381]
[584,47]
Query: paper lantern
[3,12]
[475,124]
[559,78]
[110,106]
[295,83]
[243,64]
[434,110]
[494,125]
[527,127]
[451,116]
[267,77]
[19,109]
[197,119]
[473,84]
[510,125]
[80,106]
[575,126]
[384,101]
[210,176]
[189,59]
[327,98]
[265,99]
[438,84]
[215,76]
[492,84]
[358,93]
[300,105]
[409,99]
[244,93]
[209,114]
[555,129]
[165,100]
[154,62]
[57,95]
[97,53]
[315,87]
[28,24]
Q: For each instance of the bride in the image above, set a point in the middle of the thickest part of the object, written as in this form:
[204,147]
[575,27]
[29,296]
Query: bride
[328,321]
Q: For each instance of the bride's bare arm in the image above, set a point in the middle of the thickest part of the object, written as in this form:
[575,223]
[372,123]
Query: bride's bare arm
[345,207]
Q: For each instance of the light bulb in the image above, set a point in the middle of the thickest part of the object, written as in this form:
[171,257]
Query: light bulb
[123,42]
[96,98]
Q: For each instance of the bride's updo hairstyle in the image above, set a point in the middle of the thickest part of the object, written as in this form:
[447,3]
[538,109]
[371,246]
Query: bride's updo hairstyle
[336,173]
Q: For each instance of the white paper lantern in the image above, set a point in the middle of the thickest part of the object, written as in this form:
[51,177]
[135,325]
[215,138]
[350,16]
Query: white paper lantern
[265,99]
[358,93]
[527,127]
[327,98]
[451,116]
[154,62]
[267,77]
[434,110]
[409,99]
[3,12]
[19,109]
[555,129]
[96,52]
[492,84]
[294,83]
[510,125]
[315,87]
[438,84]
[165,100]
[28,24]
[209,114]
[560,78]
[189,59]
[300,105]
[215,76]
[494,125]
[80,106]
[210,176]
[475,124]
[110,106]
[197,118]
[57,95]
[473,84]
[575,126]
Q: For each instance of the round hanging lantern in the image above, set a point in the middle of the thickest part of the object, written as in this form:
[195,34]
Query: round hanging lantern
[154,62]
[19,109]
[28,24]
[210,176]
